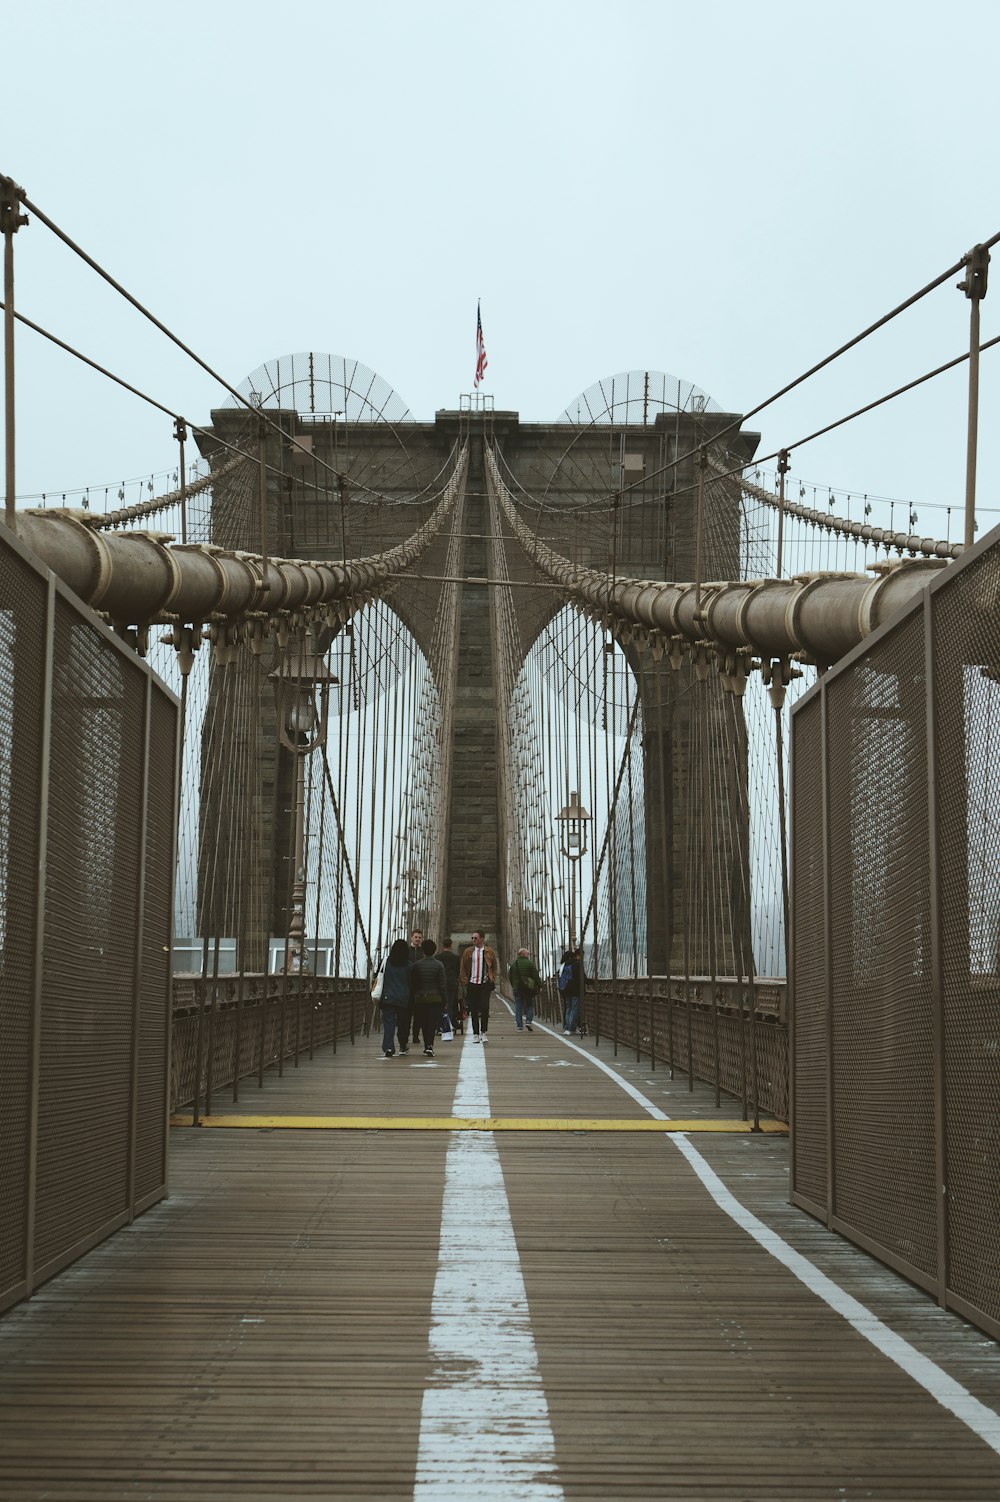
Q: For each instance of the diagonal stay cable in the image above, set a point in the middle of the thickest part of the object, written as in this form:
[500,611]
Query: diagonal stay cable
[843,349]
[158,503]
[129,297]
[106,276]
[347,859]
[880,401]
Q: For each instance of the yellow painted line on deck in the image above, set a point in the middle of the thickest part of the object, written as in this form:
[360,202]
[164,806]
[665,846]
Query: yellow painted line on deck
[475,1124]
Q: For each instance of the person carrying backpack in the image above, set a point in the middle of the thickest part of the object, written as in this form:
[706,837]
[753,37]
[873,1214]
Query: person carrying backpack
[571,988]
[429,994]
[525,982]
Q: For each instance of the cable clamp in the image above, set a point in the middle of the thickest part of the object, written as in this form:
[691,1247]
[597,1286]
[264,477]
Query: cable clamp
[976,273]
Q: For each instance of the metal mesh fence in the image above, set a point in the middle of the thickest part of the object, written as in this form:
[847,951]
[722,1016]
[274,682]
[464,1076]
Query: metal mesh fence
[673,1022]
[966,654]
[22,625]
[896,929]
[808,1023]
[240,1029]
[87,802]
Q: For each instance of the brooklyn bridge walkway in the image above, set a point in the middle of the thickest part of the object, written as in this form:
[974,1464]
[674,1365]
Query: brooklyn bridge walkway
[586,1310]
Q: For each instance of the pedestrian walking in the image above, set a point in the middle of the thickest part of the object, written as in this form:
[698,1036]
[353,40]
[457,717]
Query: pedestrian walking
[415,953]
[571,988]
[395,998]
[478,973]
[525,982]
[429,994]
[452,964]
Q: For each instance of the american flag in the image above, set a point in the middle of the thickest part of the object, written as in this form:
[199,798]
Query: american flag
[481,360]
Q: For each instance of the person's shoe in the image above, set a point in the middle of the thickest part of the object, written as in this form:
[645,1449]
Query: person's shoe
[475,1037]
[387,1053]
[521,1029]
[483,1038]
[529,1027]
[428,1053]
[403,1051]
[565,1032]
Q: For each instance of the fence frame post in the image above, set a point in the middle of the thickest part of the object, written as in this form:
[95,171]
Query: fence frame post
[937,961]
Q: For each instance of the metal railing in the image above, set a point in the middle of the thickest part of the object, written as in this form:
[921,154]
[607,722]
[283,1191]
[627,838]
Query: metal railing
[724,1033]
[238,1028]
[88,740]
[895,967]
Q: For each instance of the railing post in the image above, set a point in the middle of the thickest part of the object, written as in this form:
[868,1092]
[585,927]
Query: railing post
[11,220]
[210,1061]
[265,986]
[974,286]
[199,1031]
[38,963]
[140,909]
[238,1041]
[708,858]
[281,1015]
[744,1083]
[635,996]
[937,959]
[831,1198]
[299,994]
[754,1059]
[652,1023]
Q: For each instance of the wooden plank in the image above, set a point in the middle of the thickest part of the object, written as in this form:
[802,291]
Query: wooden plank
[265,1332]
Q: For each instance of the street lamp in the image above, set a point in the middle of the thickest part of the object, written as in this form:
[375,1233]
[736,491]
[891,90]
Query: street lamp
[301,694]
[411,876]
[573,821]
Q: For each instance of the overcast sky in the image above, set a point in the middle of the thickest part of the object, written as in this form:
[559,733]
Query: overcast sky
[722,191]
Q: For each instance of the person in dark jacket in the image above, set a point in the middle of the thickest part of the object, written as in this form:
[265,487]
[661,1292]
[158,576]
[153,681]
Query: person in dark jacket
[415,953]
[429,994]
[450,961]
[572,993]
[395,1001]
[525,982]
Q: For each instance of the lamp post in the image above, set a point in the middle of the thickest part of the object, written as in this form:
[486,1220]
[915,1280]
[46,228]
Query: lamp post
[573,821]
[411,876]
[301,692]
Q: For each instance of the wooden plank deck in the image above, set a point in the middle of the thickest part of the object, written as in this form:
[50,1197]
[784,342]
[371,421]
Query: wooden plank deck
[266,1332]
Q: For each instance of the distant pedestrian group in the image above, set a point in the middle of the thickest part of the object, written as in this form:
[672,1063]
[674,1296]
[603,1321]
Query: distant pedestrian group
[420,991]
[412,991]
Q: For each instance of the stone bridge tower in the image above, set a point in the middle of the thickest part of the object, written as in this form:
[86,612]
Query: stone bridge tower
[571,464]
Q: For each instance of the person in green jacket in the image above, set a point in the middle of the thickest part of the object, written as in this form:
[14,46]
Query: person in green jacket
[525,981]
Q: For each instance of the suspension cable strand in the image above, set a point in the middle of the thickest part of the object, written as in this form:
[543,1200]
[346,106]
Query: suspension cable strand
[835,355]
[157,323]
[139,579]
[829,616]
[376,495]
[859,531]
[348,871]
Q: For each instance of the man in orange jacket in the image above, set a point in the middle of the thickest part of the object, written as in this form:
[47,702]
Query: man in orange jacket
[478,973]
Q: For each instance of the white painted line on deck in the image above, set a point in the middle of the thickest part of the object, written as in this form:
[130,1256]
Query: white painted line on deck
[957,1399]
[484,1421]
